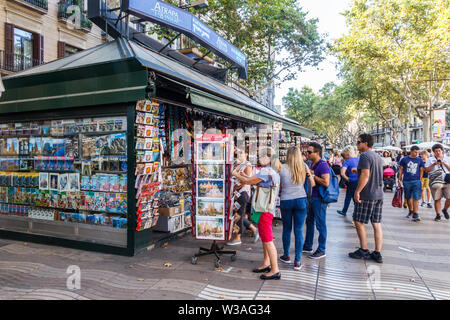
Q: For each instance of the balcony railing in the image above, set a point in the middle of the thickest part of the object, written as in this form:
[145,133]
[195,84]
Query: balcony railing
[36,5]
[16,62]
[64,14]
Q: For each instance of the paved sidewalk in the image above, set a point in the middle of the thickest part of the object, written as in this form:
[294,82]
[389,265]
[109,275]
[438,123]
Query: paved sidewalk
[416,266]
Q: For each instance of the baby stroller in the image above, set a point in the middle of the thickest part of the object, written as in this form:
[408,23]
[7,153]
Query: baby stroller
[388,179]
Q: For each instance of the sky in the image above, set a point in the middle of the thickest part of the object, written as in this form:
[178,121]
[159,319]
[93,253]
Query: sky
[330,22]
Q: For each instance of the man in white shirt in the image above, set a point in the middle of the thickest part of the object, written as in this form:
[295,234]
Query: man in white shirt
[439,162]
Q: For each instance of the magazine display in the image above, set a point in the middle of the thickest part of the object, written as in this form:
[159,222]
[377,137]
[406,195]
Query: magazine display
[71,170]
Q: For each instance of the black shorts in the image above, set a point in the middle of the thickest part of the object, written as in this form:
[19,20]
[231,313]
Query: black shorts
[368,210]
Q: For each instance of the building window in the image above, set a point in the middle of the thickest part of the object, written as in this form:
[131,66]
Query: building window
[23,49]
[69,50]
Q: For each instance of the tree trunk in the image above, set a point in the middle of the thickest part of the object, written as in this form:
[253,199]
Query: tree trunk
[426,129]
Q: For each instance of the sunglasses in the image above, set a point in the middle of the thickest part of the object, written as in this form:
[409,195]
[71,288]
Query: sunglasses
[358,142]
[309,152]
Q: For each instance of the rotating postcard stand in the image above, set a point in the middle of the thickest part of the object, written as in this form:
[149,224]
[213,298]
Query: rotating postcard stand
[211,195]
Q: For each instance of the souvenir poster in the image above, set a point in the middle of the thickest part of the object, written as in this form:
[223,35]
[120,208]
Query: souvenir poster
[99,201]
[102,145]
[210,208]
[118,143]
[88,147]
[23,146]
[93,183]
[103,181]
[210,189]
[210,229]
[58,147]
[74,182]
[123,184]
[118,125]
[35,146]
[72,147]
[114,185]
[63,182]
[121,203]
[111,202]
[12,147]
[54,179]
[210,171]
[210,152]
[85,183]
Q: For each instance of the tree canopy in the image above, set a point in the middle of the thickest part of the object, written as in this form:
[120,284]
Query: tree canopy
[277,37]
[399,48]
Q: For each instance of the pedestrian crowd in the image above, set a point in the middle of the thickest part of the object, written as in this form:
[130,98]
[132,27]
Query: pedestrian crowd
[308,182]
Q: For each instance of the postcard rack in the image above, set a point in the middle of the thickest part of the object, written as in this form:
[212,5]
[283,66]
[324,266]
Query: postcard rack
[211,194]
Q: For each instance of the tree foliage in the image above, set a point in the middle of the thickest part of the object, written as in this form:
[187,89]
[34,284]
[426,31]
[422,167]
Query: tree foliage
[331,113]
[399,51]
[277,37]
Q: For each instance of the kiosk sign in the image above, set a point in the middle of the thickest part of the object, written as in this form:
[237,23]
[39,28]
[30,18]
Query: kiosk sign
[175,18]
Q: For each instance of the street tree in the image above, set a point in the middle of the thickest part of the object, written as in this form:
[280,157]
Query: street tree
[404,46]
[329,113]
[277,37]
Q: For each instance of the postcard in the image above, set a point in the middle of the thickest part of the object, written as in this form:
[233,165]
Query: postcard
[210,229]
[210,208]
[210,171]
[63,182]
[123,184]
[210,189]
[208,151]
[54,179]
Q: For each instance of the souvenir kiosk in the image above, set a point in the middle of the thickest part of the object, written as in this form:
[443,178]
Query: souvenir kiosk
[86,143]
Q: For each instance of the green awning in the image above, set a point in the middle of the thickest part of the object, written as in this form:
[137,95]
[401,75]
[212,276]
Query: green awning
[217,104]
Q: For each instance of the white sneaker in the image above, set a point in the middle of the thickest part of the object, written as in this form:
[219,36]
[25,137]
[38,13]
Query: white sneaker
[256,237]
[298,266]
[234,242]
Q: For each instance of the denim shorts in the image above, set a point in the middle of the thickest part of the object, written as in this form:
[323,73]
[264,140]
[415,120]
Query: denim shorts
[413,189]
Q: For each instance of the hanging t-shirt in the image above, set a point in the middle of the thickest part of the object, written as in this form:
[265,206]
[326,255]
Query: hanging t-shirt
[320,168]
[350,164]
[411,168]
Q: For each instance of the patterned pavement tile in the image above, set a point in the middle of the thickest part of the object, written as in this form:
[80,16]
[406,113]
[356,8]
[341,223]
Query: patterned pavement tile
[416,266]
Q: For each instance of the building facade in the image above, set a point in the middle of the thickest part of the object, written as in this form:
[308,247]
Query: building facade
[33,32]
[384,136]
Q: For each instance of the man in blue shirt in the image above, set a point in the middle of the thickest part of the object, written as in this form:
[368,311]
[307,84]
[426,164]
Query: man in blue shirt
[410,176]
[317,213]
